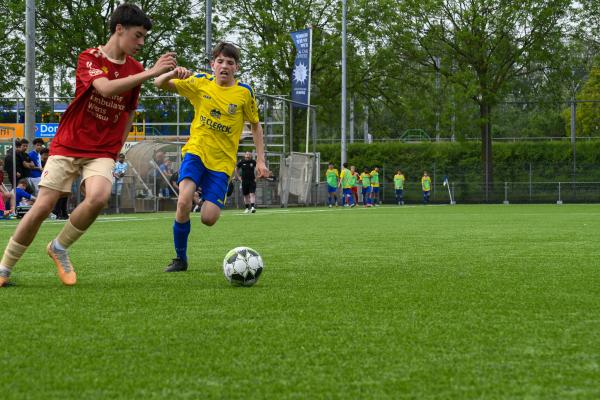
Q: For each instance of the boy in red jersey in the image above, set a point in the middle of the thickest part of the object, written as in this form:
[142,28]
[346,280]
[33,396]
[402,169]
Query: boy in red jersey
[89,137]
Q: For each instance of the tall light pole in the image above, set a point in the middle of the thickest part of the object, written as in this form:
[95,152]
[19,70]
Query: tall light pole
[343,155]
[30,69]
[208,33]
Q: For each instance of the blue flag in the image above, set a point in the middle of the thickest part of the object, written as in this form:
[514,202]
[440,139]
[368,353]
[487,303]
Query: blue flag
[301,72]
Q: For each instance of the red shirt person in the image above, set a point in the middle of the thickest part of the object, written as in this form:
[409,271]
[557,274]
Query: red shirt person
[89,138]
[93,125]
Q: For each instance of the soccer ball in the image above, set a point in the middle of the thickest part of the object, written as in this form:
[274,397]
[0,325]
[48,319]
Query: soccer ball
[242,266]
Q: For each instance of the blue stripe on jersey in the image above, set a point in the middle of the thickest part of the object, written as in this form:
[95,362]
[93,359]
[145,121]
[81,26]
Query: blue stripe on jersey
[247,87]
[201,75]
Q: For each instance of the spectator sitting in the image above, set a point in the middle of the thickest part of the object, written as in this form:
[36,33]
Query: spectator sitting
[22,197]
[7,203]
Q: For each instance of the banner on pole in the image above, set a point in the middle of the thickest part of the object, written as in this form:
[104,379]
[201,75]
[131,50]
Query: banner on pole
[301,72]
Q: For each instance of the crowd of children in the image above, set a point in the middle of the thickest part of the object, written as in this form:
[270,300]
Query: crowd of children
[349,180]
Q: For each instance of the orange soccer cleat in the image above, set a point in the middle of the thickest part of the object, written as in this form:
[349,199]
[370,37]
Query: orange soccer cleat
[66,273]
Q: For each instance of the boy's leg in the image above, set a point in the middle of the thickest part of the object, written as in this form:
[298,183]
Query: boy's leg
[182,226]
[26,231]
[98,190]
[252,197]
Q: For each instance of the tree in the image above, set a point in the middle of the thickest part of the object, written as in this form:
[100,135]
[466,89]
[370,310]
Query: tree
[487,43]
[66,28]
[12,51]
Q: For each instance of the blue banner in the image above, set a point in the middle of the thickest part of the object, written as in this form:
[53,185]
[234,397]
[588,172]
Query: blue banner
[45,131]
[301,72]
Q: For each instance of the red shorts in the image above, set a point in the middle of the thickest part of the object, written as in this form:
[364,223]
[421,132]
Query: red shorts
[355,189]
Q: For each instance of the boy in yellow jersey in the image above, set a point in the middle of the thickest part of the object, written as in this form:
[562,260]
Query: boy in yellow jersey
[399,187]
[375,186]
[332,177]
[426,185]
[346,182]
[365,179]
[221,105]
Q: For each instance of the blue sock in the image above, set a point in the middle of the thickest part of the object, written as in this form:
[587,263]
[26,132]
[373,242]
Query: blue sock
[180,238]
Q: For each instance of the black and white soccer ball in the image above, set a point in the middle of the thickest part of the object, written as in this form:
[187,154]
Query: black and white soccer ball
[242,266]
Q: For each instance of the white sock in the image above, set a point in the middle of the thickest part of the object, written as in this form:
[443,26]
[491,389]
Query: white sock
[58,246]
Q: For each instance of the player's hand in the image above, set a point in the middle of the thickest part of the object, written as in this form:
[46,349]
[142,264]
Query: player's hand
[165,63]
[182,73]
[262,170]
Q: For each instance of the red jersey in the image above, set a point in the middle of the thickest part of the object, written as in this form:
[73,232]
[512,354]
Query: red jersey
[93,125]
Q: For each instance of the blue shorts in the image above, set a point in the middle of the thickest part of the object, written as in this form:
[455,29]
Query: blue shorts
[331,189]
[375,189]
[366,190]
[347,191]
[213,183]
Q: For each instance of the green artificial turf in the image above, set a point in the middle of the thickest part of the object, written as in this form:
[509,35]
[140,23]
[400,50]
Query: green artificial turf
[433,302]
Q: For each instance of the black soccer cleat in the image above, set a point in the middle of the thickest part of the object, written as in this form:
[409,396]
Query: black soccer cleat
[177,265]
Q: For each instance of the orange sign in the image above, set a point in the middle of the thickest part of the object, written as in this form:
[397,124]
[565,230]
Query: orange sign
[7,133]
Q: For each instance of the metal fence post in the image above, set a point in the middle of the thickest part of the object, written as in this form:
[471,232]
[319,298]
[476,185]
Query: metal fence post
[559,201]
[530,177]
[505,193]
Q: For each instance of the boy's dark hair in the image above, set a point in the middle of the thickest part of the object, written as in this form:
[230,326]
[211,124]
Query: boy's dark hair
[345,165]
[22,182]
[228,50]
[38,140]
[23,141]
[366,169]
[129,15]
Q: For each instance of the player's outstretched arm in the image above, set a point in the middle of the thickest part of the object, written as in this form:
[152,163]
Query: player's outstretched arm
[108,88]
[164,81]
[257,137]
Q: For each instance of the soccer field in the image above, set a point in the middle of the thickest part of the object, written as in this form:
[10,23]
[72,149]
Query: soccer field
[414,302]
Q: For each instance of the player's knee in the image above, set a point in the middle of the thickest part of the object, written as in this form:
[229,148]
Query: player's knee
[209,219]
[43,208]
[183,204]
[97,202]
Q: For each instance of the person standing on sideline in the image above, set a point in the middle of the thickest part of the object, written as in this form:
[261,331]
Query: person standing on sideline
[90,135]
[365,179]
[346,183]
[333,179]
[245,169]
[119,171]
[355,183]
[35,173]
[221,106]
[426,186]
[375,186]
[399,187]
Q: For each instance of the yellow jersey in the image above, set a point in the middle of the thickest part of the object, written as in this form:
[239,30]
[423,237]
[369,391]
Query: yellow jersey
[219,115]
[375,178]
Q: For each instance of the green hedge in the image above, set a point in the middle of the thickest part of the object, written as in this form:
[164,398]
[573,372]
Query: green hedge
[461,162]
